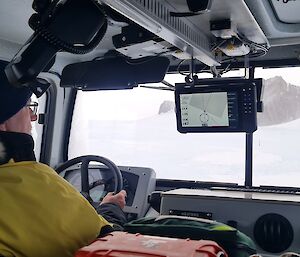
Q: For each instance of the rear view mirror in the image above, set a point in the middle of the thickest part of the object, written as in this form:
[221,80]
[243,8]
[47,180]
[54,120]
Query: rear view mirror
[114,73]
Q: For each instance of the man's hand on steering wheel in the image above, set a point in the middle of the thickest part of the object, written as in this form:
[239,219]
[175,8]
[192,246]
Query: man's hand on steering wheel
[84,170]
[118,199]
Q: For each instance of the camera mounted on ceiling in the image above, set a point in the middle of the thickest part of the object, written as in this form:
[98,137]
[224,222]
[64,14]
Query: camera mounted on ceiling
[74,26]
[195,7]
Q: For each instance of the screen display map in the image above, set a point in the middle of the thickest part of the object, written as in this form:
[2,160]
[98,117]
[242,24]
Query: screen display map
[204,109]
[218,105]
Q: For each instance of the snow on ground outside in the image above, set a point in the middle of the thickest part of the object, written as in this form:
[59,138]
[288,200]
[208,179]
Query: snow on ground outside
[154,143]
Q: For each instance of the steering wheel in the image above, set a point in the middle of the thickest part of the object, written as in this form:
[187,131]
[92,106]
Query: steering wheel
[84,170]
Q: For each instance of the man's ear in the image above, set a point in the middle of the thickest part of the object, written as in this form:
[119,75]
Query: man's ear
[2,152]
[33,117]
[2,127]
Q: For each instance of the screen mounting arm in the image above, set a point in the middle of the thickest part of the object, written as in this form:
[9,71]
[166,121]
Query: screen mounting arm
[249,145]
[249,160]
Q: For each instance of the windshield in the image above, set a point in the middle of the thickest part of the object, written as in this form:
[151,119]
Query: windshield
[138,128]
[277,140]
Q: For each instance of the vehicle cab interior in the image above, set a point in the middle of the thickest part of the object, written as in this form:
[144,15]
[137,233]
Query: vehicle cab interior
[192,107]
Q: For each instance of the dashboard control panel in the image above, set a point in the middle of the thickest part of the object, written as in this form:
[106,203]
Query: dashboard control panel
[261,215]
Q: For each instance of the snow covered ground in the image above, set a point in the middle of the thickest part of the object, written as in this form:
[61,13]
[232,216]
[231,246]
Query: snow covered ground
[154,142]
[130,128]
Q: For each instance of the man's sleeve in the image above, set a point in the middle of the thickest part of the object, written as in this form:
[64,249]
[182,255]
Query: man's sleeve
[113,214]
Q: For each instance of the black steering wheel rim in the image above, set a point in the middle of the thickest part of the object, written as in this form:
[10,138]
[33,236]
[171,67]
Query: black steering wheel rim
[85,160]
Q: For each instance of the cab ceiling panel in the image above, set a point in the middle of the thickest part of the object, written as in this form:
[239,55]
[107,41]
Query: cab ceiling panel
[279,20]
[287,11]
[14,15]
[190,34]
[14,28]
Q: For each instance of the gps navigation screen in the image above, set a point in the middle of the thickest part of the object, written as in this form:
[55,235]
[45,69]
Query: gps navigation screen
[204,109]
[218,105]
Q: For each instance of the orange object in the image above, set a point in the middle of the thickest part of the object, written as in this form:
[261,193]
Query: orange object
[122,244]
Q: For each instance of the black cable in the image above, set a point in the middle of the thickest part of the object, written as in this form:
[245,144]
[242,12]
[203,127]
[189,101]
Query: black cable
[55,73]
[129,61]
[256,50]
[286,1]
[213,49]
[109,56]
[179,65]
[251,43]
[250,55]
[166,83]
[216,46]
[145,59]
[227,69]
[158,88]
[185,14]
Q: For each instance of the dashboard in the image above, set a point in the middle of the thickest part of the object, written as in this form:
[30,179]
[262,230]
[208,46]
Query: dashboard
[270,218]
[138,182]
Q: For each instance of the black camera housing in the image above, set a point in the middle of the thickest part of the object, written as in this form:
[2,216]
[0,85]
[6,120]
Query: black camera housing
[72,23]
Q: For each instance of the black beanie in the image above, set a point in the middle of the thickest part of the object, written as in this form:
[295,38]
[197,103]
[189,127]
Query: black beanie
[12,99]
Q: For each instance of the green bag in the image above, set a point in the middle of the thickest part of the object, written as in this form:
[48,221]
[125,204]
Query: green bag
[235,243]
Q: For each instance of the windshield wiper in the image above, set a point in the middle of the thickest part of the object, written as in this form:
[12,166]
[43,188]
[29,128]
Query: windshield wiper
[169,87]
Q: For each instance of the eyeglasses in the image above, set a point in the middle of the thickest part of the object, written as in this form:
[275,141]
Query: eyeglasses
[33,107]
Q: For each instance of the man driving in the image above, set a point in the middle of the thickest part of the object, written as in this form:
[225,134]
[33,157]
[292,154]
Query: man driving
[41,214]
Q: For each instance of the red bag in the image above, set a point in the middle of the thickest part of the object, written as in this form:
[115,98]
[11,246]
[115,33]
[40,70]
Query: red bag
[122,244]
